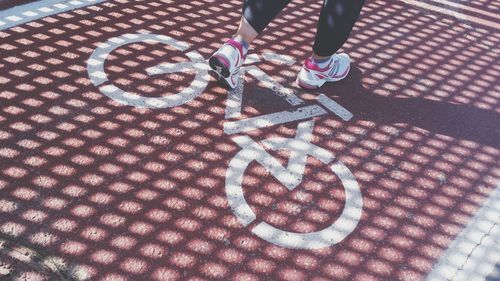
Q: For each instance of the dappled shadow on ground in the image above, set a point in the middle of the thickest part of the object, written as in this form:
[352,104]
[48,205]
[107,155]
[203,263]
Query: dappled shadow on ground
[121,193]
[454,120]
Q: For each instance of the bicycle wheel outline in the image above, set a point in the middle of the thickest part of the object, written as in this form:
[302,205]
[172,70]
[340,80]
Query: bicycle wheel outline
[97,75]
[329,236]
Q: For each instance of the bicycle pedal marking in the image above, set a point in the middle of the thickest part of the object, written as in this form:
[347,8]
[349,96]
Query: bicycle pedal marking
[95,69]
[252,151]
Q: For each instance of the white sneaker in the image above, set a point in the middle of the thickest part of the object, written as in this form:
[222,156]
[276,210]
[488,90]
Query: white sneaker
[226,63]
[311,76]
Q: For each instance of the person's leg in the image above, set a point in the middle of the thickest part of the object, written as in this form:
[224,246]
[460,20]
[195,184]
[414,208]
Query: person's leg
[335,23]
[259,13]
[246,32]
[256,15]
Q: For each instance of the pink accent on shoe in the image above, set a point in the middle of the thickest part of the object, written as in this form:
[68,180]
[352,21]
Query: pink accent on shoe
[313,66]
[237,45]
[224,60]
[343,74]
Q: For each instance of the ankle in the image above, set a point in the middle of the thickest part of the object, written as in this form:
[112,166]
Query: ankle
[244,43]
[321,61]
[319,57]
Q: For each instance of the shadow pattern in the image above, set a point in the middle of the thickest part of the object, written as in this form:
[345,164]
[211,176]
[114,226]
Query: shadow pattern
[121,193]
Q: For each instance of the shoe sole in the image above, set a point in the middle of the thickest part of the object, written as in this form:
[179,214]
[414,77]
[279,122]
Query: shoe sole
[308,86]
[222,81]
[217,65]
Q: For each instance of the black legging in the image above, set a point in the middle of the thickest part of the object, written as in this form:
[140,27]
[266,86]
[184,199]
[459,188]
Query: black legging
[336,20]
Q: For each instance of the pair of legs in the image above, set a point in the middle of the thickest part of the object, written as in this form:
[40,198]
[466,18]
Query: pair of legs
[337,17]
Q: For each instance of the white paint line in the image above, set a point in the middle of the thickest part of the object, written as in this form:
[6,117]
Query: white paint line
[168,68]
[235,98]
[46,10]
[251,151]
[334,107]
[252,58]
[234,183]
[273,119]
[313,150]
[474,252]
[270,83]
[455,14]
[300,147]
[60,6]
[30,14]
[98,77]
[13,18]
[467,8]
[33,11]
[279,59]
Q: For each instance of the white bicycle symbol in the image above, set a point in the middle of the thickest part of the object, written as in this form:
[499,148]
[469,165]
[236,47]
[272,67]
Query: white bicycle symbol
[300,147]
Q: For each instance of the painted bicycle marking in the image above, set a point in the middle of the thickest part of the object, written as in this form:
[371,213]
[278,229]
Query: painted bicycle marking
[300,147]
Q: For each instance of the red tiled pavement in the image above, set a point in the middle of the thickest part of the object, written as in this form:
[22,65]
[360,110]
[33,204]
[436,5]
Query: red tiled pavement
[122,193]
